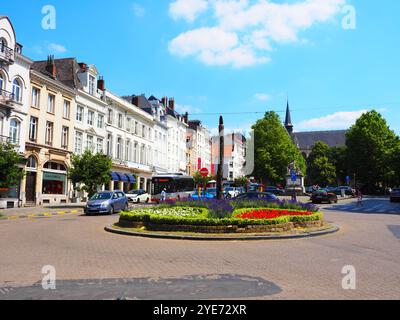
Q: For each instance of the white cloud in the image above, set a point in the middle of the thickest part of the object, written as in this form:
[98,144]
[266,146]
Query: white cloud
[180,108]
[187,9]
[262,96]
[336,121]
[56,48]
[138,10]
[255,26]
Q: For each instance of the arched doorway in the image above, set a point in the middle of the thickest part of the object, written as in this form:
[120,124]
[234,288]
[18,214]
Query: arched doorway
[30,186]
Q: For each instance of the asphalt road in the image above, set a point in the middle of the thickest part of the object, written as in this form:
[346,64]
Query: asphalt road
[93,264]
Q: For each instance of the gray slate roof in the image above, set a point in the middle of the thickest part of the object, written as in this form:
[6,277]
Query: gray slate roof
[306,140]
[67,70]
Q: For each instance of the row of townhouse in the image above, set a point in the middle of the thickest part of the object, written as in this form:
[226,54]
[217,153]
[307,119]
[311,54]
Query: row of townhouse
[55,108]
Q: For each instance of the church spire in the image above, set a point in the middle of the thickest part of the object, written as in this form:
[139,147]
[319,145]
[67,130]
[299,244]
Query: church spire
[288,120]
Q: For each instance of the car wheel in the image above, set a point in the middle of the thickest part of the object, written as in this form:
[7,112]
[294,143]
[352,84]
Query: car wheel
[148,200]
[111,211]
[126,207]
[138,201]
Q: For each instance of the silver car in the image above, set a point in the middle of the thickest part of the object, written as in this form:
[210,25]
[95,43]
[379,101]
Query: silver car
[107,202]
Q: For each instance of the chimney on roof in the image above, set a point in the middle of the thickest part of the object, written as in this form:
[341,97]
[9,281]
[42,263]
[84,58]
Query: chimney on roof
[164,101]
[101,84]
[51,66]
[171,104]
[135,101]
[186,118]
[83,65]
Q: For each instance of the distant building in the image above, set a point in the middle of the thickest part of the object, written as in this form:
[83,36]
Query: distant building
[305,141]
[234,155]
[199,147]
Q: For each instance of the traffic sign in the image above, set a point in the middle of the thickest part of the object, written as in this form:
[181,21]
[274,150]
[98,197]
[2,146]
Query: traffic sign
[294,177]
[204,172]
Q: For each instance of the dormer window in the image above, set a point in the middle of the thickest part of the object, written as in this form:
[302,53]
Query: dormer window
[92,84]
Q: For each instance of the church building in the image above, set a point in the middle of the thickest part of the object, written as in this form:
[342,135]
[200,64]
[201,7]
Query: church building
[305,141]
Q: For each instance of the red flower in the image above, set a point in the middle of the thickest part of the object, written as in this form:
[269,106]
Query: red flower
[270,214]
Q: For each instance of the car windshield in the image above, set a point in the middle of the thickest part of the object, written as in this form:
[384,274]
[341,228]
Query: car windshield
[228,189]
[134,192]
[102,196]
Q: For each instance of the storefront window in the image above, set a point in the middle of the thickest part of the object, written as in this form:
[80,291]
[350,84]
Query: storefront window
[54,183]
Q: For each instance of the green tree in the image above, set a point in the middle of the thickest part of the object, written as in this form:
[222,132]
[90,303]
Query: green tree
[11,162]
[199,180]
[241,181]
[370,149]
[338,159]
[91,170]
[320,169]
[274,150]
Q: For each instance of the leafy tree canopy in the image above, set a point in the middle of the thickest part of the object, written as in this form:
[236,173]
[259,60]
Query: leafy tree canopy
[274,150]
[370,148]
[11,162]
[91,170]
[320,169]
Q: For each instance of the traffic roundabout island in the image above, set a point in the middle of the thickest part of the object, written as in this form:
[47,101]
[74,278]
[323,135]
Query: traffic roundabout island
[224,220]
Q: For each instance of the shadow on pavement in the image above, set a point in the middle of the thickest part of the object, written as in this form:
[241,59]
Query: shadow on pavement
[368,206]
[222,286]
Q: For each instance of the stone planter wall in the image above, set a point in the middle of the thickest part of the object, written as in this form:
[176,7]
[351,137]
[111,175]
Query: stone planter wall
[210,229]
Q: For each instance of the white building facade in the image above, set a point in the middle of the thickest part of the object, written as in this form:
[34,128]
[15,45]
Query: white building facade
[130,143]
[199,147]
[14,98]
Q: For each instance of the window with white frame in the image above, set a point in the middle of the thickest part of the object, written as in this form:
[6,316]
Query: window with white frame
[89,143]
[119,148]
[128,124]
[78,142]
[90,119]
[127,150]
[17,90]
[35,97]
[100,121]
[51,102]
[49,133]
[33,129]
[66,109]
[109,145]
[135,152]
[15,127]
[1,82]
[110,115]
[79,113]
[100,145]
[120,124]
[64,137]
[92,85]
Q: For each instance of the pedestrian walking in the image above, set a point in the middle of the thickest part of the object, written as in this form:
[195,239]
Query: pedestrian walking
[164,195]
[359,198]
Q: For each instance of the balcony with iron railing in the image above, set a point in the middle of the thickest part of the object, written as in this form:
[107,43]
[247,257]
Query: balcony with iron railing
[7,97]
[6,54]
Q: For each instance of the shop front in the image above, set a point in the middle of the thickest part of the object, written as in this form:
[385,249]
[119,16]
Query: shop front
[54,184]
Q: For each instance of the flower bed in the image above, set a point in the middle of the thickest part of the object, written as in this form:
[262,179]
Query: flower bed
[214,217]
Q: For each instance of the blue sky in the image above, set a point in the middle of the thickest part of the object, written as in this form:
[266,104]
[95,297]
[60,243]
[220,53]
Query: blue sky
[232,56]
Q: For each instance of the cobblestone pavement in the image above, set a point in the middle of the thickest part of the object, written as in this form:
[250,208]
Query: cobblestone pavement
[93,264]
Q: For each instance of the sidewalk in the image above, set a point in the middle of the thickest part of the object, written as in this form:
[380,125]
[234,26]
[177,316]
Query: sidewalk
[43,210]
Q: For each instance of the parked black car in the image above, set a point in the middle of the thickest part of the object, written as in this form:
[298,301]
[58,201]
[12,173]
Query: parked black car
[257,196]
[321,196]
[395,195]
[274,190]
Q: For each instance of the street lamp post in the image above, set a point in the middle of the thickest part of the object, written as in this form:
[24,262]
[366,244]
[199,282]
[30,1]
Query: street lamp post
[221,158]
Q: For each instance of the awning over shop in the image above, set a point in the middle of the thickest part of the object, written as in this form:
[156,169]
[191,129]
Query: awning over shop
[117,176]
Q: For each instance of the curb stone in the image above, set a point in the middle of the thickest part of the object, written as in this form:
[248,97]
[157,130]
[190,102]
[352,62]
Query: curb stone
[332,230]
